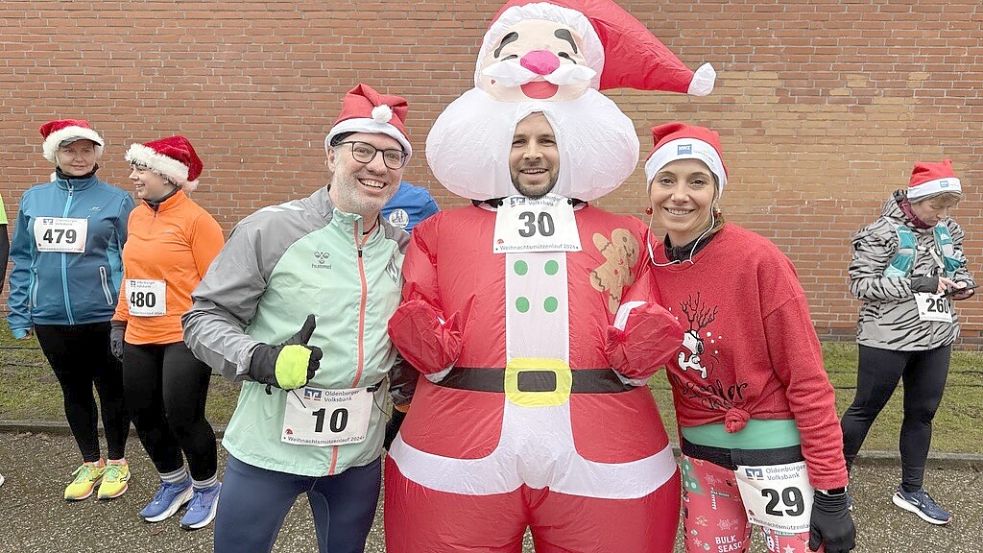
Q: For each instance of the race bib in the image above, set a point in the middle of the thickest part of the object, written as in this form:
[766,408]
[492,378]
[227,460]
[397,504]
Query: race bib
[146,298]
[933,307]
[777,496]
[543,224]
[58,234]
[326,417]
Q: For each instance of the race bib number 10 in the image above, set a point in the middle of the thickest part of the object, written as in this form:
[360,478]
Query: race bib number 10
[57,234]
[777,496]
[544,224]
[326,417]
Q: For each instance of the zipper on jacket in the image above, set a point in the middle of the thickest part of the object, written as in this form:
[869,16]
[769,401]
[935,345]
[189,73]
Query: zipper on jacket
[64,259]
[105,285]
[34,289]
[360,363]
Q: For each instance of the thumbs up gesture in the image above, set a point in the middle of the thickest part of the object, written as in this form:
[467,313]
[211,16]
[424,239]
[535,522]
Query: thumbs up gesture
[289,365]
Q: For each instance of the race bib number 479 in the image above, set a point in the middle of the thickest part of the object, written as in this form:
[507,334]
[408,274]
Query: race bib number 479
[58,234]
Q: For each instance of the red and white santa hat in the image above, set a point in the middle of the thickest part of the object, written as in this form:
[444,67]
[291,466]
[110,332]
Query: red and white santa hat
[365,110]
[618,46]
[66,131]
[674,141]
[929,178]
[173,157]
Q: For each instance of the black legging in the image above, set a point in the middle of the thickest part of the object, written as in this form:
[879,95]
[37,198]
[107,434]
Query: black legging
[80,357]
[166,388]
[924,374]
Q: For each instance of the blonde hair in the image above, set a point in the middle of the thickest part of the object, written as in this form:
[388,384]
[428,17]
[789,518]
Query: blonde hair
[943,199]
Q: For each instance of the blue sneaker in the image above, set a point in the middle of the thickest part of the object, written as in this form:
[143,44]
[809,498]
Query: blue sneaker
[202,508]
[168,499]
[923,505]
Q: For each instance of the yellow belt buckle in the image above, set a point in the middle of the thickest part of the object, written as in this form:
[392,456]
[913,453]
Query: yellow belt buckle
[559,367]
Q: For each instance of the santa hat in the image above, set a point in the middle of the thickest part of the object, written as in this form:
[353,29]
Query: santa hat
[365,110]
[172,157]
[929,179]
[619,47]
[62,131]
[677,140]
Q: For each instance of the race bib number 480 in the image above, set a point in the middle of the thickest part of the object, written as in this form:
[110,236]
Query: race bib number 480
[544,224]
[777,496]
[146,298]
[326,417]
[58,234]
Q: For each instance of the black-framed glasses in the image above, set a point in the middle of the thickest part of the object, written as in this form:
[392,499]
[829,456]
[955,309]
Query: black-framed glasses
[363,152]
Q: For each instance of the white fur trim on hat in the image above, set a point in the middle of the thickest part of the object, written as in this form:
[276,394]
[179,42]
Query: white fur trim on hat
[53,141]
[685,148]
[169,167]
[371,126]
[933,187]
[593,49]
[382,113]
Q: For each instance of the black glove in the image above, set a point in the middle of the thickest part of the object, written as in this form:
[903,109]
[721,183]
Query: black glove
[392,427]
[928,284]
[831,523]
[291,364]
[116,333]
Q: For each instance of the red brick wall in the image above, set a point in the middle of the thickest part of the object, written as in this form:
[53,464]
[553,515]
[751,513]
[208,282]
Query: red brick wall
[823,105]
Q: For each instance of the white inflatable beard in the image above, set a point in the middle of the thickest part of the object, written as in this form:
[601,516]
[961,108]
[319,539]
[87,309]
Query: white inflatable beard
[469,144]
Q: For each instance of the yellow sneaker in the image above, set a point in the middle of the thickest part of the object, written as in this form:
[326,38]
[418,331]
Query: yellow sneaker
[86,477]
[114,480]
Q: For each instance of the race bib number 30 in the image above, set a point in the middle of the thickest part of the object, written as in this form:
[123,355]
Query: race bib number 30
[146,298]
[57,234]
[326,417]
[777,496]
[933,307]
[543,224]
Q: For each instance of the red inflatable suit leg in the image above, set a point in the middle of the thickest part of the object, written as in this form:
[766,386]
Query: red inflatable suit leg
[421,520]
[567,524]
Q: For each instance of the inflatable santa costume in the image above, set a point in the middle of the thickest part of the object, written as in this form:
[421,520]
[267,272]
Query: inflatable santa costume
[530,412]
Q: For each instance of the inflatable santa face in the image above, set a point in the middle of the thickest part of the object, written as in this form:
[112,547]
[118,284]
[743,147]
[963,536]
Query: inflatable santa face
[548,57]
[520,420]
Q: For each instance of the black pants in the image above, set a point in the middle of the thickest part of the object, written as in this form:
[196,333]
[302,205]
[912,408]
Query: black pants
[924,374]
[80,357]
[166,387]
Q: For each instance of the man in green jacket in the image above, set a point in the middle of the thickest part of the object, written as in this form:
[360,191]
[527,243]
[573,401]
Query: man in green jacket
[308,418]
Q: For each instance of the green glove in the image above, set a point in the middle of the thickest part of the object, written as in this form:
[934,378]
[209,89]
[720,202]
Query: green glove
[289,365]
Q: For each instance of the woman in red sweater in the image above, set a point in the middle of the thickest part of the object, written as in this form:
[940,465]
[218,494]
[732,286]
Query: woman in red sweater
[757,420]
[172,243]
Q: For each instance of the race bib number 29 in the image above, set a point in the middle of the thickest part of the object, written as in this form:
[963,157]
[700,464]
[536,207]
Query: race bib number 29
[777,496]
[58,234]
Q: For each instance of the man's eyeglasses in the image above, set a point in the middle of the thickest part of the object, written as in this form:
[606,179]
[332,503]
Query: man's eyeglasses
[364,152]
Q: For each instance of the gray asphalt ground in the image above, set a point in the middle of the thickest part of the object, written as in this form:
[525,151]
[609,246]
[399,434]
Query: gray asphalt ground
[35,518]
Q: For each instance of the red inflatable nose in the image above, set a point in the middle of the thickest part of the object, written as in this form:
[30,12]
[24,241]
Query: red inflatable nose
[540,62]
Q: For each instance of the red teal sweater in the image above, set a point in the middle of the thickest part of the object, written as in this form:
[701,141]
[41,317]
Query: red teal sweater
[750,349]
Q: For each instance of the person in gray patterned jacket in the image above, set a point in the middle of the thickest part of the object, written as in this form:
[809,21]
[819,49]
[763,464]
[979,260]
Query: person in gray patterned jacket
[908,267]
[333,257]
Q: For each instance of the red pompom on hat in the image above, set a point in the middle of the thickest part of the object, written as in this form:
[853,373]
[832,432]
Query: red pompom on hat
[66,131]
[618,46]
[365,110]
[929,179]
[172,157]
[677,140]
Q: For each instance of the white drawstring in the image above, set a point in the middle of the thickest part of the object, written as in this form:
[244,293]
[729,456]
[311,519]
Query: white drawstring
[648,242]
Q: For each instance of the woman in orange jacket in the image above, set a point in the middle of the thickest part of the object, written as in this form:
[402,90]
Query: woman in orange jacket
[172,243]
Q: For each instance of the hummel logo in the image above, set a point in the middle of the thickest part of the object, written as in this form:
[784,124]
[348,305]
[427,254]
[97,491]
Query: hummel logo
[320,260]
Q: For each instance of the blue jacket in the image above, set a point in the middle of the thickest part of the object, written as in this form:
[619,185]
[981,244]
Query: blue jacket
[68,288]
[409,206]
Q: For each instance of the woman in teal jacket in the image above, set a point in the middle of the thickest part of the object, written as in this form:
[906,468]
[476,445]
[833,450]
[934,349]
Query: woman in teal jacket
[66,251]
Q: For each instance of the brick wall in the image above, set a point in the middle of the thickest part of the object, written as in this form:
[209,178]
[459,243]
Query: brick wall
[823,105]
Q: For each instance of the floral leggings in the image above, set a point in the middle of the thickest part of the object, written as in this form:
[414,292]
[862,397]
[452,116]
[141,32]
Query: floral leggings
[714,519]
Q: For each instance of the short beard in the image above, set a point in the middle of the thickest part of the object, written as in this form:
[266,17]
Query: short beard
[524,191]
